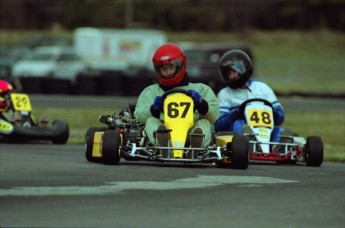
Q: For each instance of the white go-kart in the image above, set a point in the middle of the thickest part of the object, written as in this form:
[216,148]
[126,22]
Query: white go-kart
[291,149]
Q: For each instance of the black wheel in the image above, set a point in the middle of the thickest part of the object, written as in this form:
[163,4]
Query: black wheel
[110,147]
[314,151]
[239,152]
[63,128]
[89,141]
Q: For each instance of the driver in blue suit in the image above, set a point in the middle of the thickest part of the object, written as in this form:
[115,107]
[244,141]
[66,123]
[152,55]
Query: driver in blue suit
[236,68]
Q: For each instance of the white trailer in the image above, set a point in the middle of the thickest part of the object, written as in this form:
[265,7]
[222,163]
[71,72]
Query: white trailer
[117,49]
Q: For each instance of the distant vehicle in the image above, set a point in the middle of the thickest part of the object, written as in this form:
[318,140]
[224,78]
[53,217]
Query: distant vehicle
[55,62]
[17,122]
[6,62]
[117,49]
[202,61]
[41,40]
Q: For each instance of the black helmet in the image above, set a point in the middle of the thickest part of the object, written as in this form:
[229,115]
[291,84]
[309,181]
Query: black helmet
[239,61]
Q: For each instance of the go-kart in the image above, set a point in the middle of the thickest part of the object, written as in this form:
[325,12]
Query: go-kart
[17,123]
[291,149]
[124,137]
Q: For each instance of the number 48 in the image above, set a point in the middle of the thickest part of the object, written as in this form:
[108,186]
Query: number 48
[265,117]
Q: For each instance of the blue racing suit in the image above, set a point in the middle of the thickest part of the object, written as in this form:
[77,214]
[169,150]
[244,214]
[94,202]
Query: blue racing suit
[230,99]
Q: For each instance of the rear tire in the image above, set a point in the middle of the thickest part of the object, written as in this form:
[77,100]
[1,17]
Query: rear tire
[89,140]
[62,138]
[314,151]
[239,152]
[110,147]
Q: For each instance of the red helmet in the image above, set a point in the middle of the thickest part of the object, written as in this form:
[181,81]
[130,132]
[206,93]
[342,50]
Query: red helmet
[170,54]
[4,88]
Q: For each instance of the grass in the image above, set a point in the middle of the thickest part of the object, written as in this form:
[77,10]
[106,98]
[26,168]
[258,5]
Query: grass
[304,123]
[290,60]
[329,125]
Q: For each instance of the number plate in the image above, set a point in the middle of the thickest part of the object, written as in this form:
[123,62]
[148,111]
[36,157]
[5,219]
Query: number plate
[21,102]
[179,117]
[260,118]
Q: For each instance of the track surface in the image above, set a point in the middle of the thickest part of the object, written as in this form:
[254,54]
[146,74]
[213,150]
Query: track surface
[54,186]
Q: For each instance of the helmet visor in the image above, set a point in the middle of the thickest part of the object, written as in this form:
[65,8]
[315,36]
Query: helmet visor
[237,66]
[169,70]
[229,66]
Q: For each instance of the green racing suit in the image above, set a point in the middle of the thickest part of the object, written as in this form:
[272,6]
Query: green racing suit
[146,99]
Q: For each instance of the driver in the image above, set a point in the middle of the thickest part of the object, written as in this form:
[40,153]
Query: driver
[236,68]
[5,88]
[169,62]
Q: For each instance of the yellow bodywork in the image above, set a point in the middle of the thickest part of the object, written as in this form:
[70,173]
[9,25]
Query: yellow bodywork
[21,102]
[179,117]
[97,144]
[5,127]
[222,141]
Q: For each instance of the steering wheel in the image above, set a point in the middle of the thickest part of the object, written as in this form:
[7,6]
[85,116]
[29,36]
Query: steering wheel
[175,91]
[243,105]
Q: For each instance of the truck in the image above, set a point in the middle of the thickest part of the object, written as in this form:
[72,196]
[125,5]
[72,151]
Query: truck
[117,49]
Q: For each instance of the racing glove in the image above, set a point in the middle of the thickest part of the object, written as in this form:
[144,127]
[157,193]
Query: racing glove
[200,104]
[157,106]
[227,120]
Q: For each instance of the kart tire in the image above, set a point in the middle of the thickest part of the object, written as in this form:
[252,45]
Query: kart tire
[239,152]
[62,138]
[111,147]
[89,140]
[314,151]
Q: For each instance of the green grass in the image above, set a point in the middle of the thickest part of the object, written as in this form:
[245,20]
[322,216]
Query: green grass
[328,125]
[289,60]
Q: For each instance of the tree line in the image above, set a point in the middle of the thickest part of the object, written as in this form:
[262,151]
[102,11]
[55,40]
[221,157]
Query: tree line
[175,15]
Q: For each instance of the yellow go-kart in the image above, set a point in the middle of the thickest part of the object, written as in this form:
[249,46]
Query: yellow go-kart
[17,124]
[124,137]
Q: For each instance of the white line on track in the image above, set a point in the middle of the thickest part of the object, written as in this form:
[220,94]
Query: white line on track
[117,187]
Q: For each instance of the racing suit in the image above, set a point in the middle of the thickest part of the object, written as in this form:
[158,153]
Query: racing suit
[230,100]
[146,99]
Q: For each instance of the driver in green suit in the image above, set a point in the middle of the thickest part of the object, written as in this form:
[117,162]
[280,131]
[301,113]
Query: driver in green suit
[169,62]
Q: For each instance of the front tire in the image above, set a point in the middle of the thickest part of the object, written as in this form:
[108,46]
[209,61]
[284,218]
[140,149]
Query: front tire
[314,151]
[111,147]
[239,152]
[89,141]
[62,138]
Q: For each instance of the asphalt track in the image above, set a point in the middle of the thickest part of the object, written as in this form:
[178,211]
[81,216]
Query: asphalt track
[54,186]
[45,185]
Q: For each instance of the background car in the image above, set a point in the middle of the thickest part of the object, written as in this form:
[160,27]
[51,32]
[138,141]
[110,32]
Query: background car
[6,62]
[55,62]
